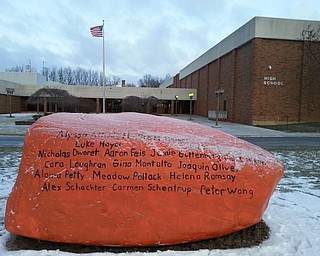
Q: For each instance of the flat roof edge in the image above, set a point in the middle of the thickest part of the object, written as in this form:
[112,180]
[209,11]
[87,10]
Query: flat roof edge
[258,27]
[167,83]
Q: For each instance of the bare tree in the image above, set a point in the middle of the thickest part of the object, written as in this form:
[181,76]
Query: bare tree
[69,76]
[112,80]
[16,69]
[130,85]
[54,96]
[60,75]
[141,105]
[311,38]
[53,74]
[151,81]
[93,77]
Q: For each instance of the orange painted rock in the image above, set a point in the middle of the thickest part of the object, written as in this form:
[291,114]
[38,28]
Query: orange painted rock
[134,179]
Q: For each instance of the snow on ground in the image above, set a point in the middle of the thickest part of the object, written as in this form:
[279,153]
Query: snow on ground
[293,213]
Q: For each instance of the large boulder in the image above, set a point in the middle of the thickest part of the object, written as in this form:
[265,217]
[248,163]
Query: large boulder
[133,179]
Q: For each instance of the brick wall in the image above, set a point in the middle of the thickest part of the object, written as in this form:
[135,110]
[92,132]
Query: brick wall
[227,81]
[4,104]
[243,84]
[213,84]
[310,89]
[201,106]
[277,89]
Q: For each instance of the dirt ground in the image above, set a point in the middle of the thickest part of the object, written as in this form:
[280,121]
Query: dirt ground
[249,237]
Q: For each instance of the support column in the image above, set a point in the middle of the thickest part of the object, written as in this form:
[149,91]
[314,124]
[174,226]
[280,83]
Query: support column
[172,107]
[45,105]
[97,105]
[38,107]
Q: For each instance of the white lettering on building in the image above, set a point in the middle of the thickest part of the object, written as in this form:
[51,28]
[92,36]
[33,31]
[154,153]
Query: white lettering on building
[271,80]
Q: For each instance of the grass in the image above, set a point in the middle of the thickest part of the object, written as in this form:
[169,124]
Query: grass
[299,127]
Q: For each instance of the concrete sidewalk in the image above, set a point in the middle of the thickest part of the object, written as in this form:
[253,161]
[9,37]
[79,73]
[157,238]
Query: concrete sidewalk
[8,127]
[241,130]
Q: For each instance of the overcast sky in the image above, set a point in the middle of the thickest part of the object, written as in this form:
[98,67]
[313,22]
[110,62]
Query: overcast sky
[156,37]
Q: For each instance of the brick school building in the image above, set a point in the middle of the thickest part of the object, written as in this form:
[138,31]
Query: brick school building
[263,73]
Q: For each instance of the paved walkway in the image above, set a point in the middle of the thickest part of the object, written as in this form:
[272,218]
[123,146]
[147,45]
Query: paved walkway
[241,130]
[8,127]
